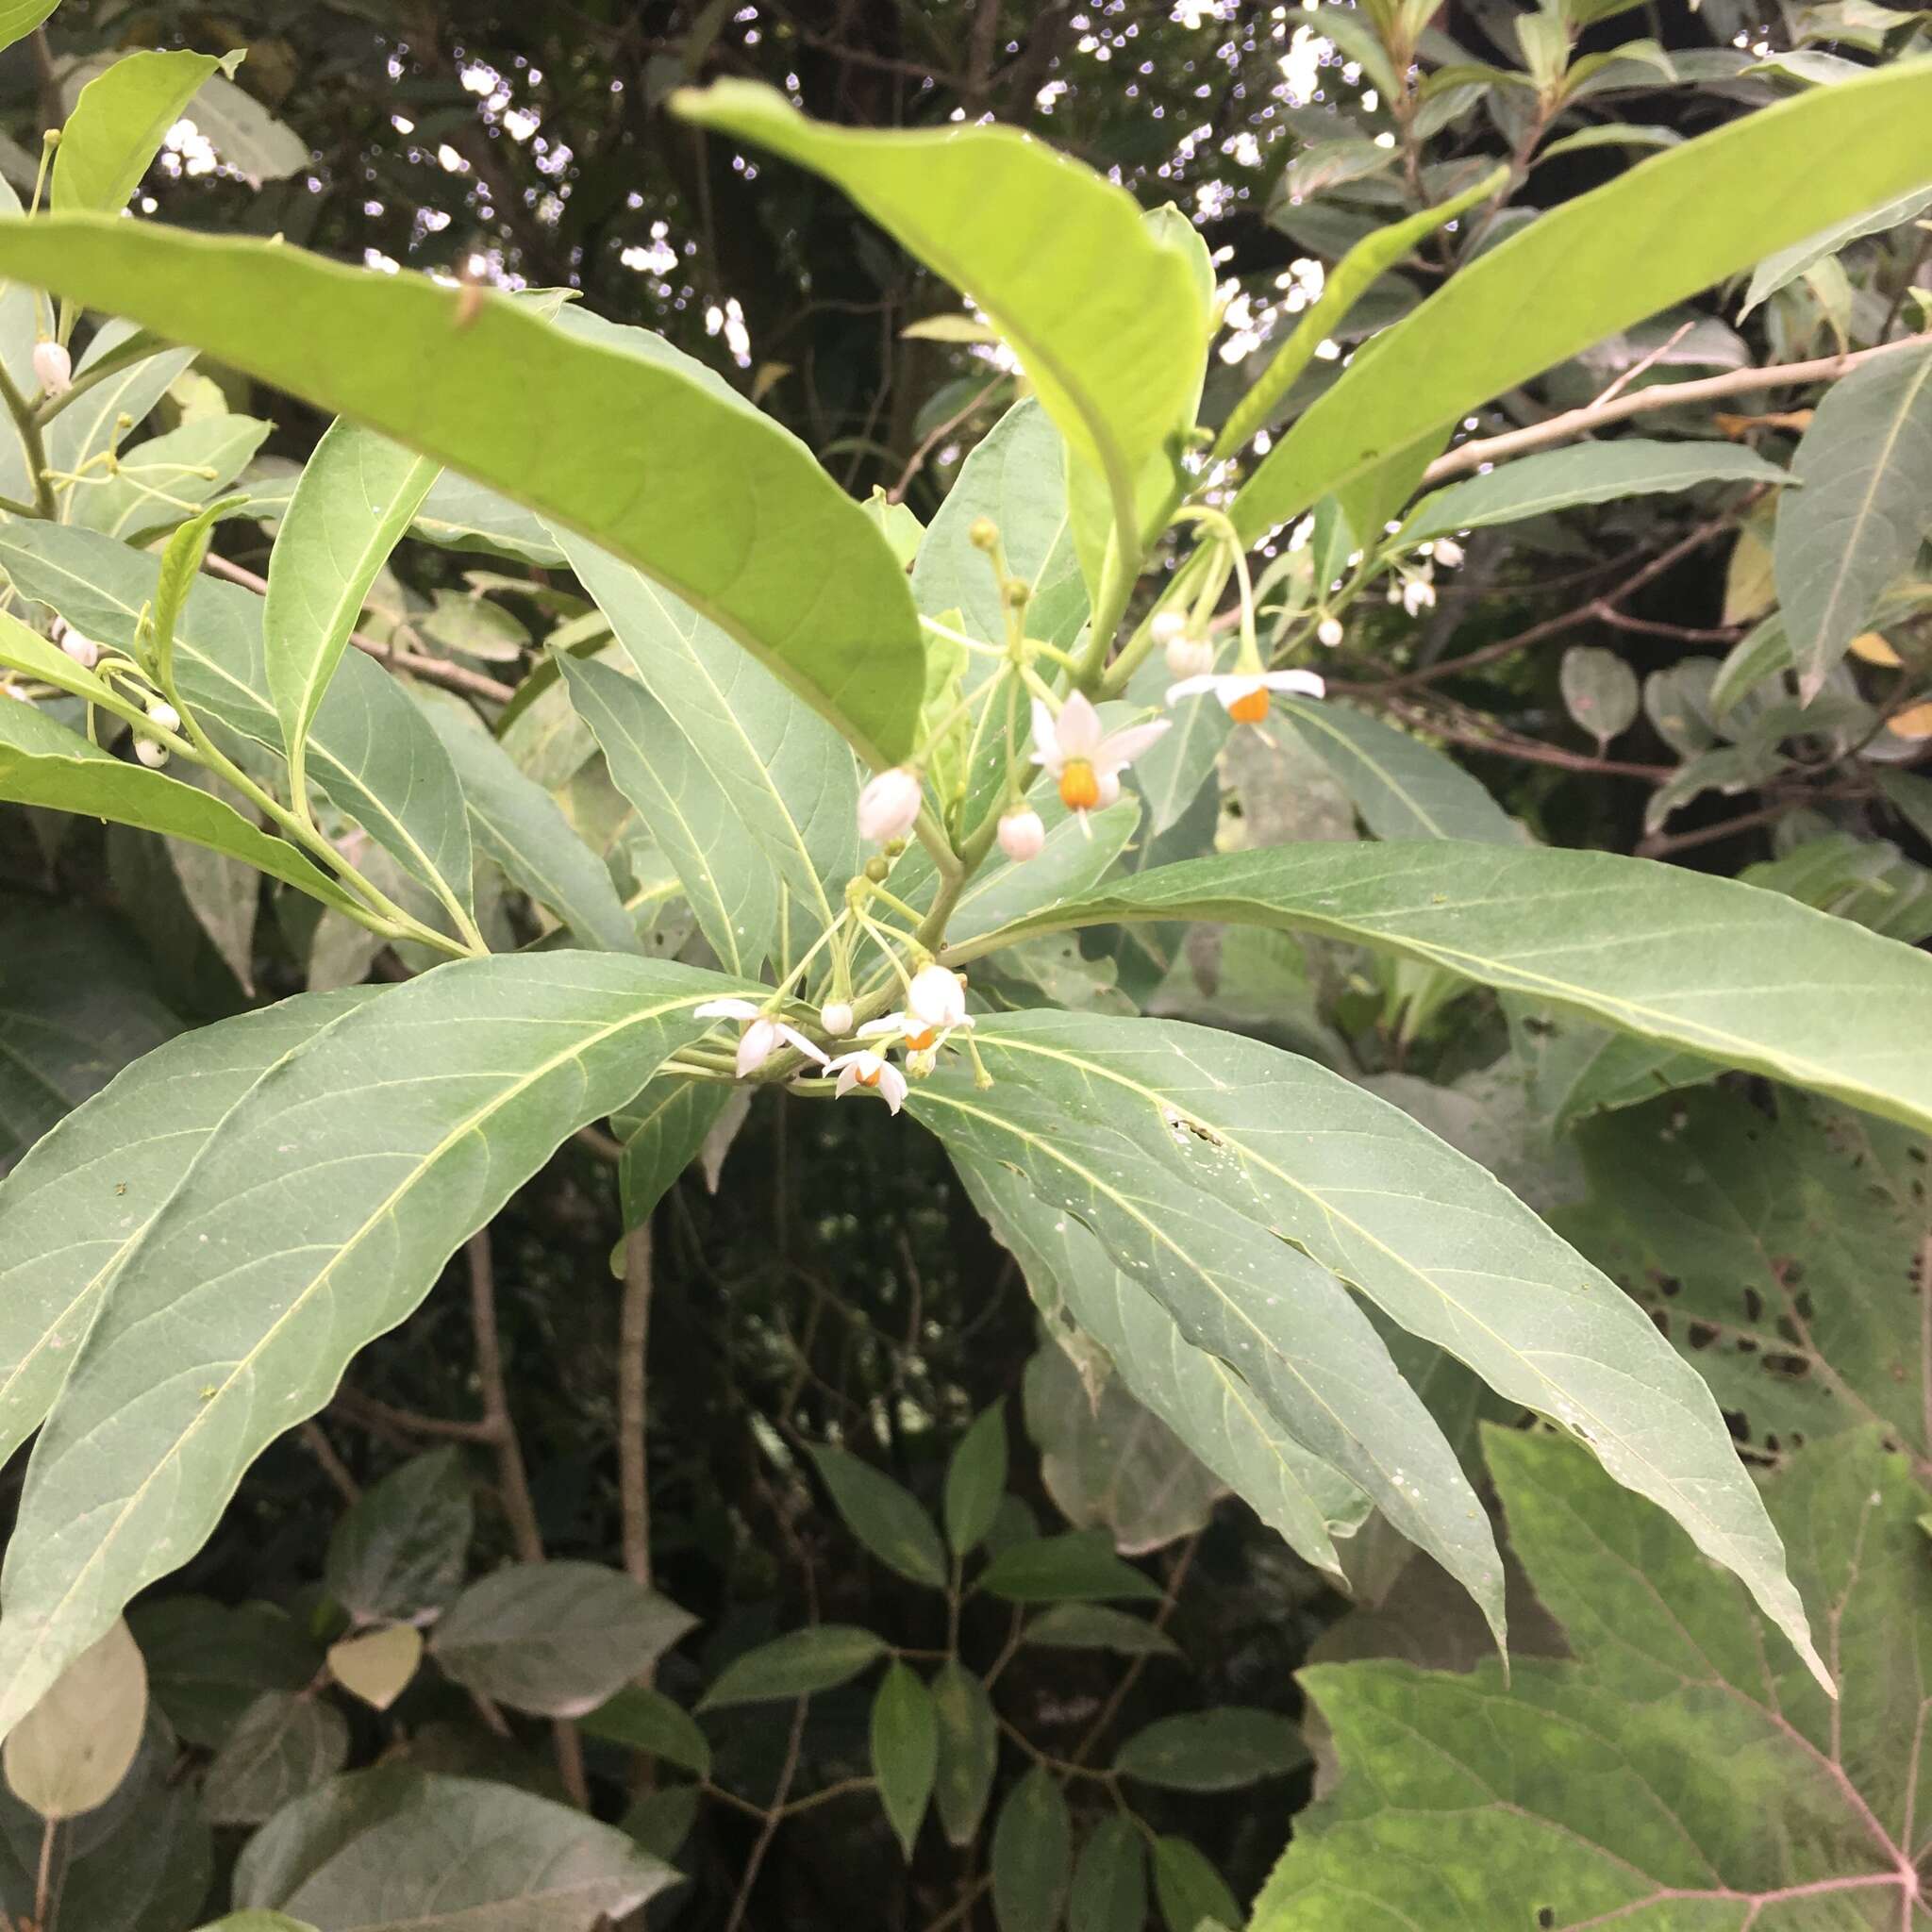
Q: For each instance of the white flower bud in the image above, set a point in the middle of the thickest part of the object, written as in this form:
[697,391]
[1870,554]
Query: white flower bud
[1022,834]
[889,806]
[1190,657]
[1447,553]
[837,1019]
[151,751]
[1329,631]
[1168,626]
[162,714]
[84,650]
[1418,595]
[54,368]
[937,997]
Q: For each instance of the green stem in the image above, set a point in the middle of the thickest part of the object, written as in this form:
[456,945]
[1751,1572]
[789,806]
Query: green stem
[24,421]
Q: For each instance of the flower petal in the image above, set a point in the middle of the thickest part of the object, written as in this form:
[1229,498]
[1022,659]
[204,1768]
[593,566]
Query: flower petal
[755,1045]
[725,1009]
[1046,743]
[792,1036]
[1192,687]
[893,1087]
[1076,731]
[892,1023]
[1306,682]
[1123,747]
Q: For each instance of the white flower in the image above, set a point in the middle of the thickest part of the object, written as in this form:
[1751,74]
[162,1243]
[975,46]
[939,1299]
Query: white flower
[1244,694]
[935,1005]
[835,1019]
[863,1069]
[1022,834]
[761,1036]
[54,368]
[1087,762]
[1418,595]
[888,805]
[1329,631]
[84,650]
[151,751]
[1190,657]
[163,715]
[1446,553]
[1167,626]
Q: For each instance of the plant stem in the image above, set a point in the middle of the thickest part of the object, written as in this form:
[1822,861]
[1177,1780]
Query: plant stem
[633,1416]
[24,421]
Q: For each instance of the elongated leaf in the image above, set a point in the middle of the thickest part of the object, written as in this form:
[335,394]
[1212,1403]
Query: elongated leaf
[1427,1235]
[887,1519]
[969,1751]
[1676,1769]
[1191,1891]
[1780,270]
[729,511]
[662,1128]
[44,764]
[1284,1324]
[1218,1750]
[356,496]
[391,1850]
[246,136]
[462,515]
[795,1665]
[521,826]
[19,18]
[1094,1626]
[1199,1396]
[1078,1567]
[905,1751]
[1554,479]
[1401,787]
[1790,992]
[136,1145]
[371,753]
[1110,1889]
[646,1720]
[975,1480]
[693,818]
[1106,312]
[793,781]
[1671,226]
[118,123]
[484,1067]
[1866,465]
[1032,1855]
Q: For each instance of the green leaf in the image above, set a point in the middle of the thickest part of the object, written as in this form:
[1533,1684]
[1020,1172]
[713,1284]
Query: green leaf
[189,464]
[1401,787]
[376,1666]
[1217,1750]
[646,1720]
[1110,1889]
[356,496]
[459,514]
[905,1751]
[72,1749]
[371,753]
[1192,1892]
[1426,1234]
[1534,485]
[887,1519]
[118,125]
[207,1663]
[519,825]
[731,513]
[287,1743]
[76,1005]
[1032,1855]
[137,378]
[486,1066]
[1660,231]
[791,780]
[795,1665]
[1123,1161]
[1197,1394]
[1866,465]
[1094,1626]
[556,1638]
[1107,315]
[1793,993]
[401,1547]
[1075,1566]
[1680,1770]
[1769,1252]
[691,816]
[1600,691]
[969,1751]
[19,18]
[44,764]
[389,1850]
[1779,271]
[662,1128]
[245,135]
[975,1480]
[160,1112]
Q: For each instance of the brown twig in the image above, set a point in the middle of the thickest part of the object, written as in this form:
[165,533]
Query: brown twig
[431,669]
[1477,733]
[315,1440]
[1659,845]
[633,1416]
[773,1816]
[897,492]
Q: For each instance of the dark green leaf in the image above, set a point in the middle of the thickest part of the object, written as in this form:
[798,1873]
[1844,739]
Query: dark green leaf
[1110,1889]
[975,1480]
[401,1547]
[887,1519]
[1190,1889]
[1217,1750]
[662,1128]
[795,1665]
[1094,1626]
[1032,1855]
[208,1663]
[905,1750]
[646,1720]
[284,1746]
[969,1750]
[1078,1566]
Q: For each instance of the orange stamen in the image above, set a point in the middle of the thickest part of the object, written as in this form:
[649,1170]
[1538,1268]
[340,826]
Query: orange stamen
[1079,785]
[918,1042]
[865,1079]
[1250,707]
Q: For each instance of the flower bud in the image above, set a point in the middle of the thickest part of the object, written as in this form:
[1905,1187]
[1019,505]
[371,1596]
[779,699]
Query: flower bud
[84,650]
[835,1019]
[160,713]
[1446,553]
[1329,631]
[1022,834]
[888,805]
[982,533]
[151,751]
[1190,657]
[877,871]
[52,368]
[937,997]
[1168,627]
